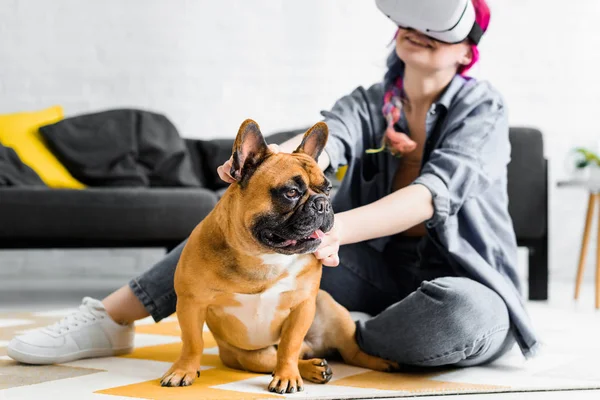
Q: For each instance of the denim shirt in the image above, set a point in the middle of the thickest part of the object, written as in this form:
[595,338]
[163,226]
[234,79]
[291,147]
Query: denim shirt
[464,166]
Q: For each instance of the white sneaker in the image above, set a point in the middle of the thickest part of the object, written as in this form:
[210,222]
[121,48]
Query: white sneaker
[88,332]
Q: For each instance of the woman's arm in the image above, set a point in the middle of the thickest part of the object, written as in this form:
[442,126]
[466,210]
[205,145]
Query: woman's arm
[392,214]
[388,216]
[474,154]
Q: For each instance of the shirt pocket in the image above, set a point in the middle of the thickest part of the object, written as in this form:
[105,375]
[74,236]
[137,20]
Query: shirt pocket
[371,188]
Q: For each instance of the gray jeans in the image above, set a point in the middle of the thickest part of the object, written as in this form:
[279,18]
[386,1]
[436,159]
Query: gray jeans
[424,314]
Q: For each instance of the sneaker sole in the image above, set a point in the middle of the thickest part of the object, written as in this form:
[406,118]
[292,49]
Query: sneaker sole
[27,358]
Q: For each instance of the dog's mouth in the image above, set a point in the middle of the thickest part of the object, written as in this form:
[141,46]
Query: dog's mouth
[275,240]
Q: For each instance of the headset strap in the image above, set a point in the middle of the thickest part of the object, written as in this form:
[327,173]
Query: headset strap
[476,33]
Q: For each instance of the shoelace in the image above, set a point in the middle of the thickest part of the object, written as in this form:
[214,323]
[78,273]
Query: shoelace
[82,316]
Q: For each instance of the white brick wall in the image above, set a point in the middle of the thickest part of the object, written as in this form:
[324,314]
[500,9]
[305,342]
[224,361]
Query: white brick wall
[208,65]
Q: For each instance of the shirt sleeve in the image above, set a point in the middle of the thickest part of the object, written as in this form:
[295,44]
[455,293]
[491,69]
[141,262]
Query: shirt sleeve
[352,119]
[474,153]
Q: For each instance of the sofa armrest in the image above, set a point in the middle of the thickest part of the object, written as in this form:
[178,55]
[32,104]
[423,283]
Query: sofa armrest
[528,183]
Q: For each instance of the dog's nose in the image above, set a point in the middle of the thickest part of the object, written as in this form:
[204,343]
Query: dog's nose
[321,205]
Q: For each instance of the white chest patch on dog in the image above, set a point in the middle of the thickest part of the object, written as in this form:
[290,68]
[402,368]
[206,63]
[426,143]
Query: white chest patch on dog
[257,311]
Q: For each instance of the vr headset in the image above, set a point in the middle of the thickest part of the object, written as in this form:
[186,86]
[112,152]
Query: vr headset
[449,21]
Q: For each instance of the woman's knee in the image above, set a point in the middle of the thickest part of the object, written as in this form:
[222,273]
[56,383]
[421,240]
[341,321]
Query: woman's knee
[445,321]
[473,321]
[467,308]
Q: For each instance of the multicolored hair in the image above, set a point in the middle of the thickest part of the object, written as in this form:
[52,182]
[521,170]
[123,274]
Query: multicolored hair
[397,142]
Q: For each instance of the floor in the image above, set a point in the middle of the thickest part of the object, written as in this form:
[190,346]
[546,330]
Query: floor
[560,295]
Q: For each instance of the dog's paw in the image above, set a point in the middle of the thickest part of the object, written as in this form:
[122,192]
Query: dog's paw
[316,370]
[177,376]
[286,380]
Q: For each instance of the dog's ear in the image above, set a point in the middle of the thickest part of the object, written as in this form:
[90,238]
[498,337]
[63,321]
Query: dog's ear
[314,140]
[249,150]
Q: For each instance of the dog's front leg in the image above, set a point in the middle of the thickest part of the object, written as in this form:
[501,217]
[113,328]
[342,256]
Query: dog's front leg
[191,313]
[286,377]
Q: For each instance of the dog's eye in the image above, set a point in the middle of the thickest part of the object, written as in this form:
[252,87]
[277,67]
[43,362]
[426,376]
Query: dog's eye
[327,190]
[292,194]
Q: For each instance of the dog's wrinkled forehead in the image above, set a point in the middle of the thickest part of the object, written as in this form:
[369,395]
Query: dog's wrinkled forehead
[297,170]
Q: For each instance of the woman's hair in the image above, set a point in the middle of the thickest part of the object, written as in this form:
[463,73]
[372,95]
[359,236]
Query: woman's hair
[396,66]
[482,17]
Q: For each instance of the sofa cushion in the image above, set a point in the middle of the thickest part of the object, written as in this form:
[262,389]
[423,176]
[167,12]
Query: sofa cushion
[13,172]
[122,147]
[41,217]
[207,156]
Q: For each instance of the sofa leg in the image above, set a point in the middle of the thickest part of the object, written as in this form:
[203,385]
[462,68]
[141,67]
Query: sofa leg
[538,269]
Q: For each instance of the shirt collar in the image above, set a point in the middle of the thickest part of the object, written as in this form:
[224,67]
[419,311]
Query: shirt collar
[451,90]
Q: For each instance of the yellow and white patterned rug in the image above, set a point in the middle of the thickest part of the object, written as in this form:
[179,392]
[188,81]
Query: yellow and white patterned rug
[569,360]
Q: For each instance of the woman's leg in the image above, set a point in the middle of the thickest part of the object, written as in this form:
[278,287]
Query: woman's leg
[151,293]
[425,316]
[123,306]
[365,282]
[105,328]
[447,321]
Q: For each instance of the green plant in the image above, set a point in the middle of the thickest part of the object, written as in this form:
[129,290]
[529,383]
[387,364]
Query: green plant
[586,158]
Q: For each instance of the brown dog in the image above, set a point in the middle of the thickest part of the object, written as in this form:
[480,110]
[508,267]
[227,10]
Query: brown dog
[247,270]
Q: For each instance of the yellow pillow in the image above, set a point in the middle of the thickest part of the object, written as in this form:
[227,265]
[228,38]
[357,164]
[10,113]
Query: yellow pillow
[21,132]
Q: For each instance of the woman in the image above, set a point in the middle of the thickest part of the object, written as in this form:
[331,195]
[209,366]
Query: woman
[422,233]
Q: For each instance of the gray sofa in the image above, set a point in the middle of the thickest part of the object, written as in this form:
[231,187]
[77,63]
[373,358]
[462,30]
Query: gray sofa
[140,217]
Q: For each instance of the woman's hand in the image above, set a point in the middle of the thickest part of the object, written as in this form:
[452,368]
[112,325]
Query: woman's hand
[327,251]
[224,169]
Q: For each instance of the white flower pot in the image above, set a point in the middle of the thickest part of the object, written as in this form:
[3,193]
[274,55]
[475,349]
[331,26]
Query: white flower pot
[589,173]
[594,173]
